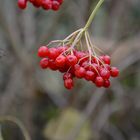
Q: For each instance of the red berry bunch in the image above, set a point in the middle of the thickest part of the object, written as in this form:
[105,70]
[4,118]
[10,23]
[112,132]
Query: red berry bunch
[77,64]
[45,4]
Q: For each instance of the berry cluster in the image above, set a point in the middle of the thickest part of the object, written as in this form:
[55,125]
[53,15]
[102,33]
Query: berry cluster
[79,64]
[45,4]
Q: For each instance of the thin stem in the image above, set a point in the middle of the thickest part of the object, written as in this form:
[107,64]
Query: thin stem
[93,14]
[18,123]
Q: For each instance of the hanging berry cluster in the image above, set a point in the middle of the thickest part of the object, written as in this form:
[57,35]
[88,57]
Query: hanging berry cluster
[76,57]
[45,4]
[77,63]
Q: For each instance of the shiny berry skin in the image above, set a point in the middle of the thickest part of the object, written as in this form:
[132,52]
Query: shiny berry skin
[76,66]
[52,65]
[114,72]
[62,49]
[105,74]
[47,4]
[106,84]
[44,63]
[60,61]
[55,5]
[53,53]
[71,60]
[37,3]
[22,4]
[106,59]
[43,51]
[90,75]
[68,83]
[80,73]
[99,81]
[67,75]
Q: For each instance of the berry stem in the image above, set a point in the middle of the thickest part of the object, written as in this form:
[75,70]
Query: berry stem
[93,14]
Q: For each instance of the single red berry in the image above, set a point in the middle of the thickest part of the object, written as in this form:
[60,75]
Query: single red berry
[43,51]
[114,72]
[55,5]
[22,4]
[47,4]
[106,59]
[105,74]
[76,66]
[71,60]
[53,53]
[106,83]
[106,66]
[60,61]
[90,75]
[68,83]
[44,63]
[62,49]
[85,64]
[37,3]
[52,65]
[99,81]
[67,75]
[79,54]
[80,73]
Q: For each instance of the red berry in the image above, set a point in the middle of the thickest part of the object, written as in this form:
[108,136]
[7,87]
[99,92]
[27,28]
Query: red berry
[90,75]
[60,61]
[71,60]
[99,81]
[68,83]
[53,53]
[106,83]
[47,4]
[22,4]
[55,5]
[44,63]
[43,51]
[52,65]
[80,73]
[76,66]
[37,3]
[62,49]
[114,72]
[105,74]
[106,59]
[67,75]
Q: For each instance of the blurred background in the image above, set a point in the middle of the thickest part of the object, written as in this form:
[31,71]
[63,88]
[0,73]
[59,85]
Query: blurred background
[38,98]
